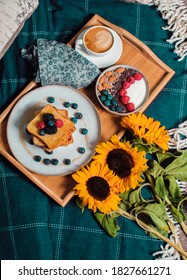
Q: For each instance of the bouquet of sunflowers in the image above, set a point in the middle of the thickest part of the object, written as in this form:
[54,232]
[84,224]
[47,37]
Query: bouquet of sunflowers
[112,184]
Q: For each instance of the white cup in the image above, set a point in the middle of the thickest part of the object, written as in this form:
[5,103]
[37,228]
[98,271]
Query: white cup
[97,41]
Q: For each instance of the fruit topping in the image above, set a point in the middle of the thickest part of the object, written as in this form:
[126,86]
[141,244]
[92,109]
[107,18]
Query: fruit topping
[84,131]
[130,106]
[54,161]
[104,92]
[74,120]
[50,129]
[74,105]
[37,158]
[46,161]
[67,104]
[78,115]
[47,117]
[50,122]
[138,76]
[59,123]
[131,80]
[67,161]
[81,150]
[51,99]
[41,125]
[125,99]
[126,85]
[42,132]
[122,92]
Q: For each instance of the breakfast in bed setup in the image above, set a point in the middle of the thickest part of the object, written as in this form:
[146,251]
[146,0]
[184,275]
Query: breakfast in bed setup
[93,135]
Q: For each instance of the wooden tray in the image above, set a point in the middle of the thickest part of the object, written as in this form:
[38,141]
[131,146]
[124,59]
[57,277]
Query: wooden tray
[136,54]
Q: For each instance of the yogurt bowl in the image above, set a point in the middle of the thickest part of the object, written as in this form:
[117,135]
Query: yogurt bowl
[122,89]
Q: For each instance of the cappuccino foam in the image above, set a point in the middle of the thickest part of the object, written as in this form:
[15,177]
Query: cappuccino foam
[98,40]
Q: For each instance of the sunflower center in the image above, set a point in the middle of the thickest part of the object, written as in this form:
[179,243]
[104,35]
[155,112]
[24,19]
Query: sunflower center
[98,187]
[120,162]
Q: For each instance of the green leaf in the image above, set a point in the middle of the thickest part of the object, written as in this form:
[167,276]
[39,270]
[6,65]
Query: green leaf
[108,223]
[135,197]
[124,205]
[178,168]
[159,222]
[156,169]
[158,208]
[79,204]
[173,188]
[163,232]
[125,195]
[162,157]
[142,146]
[177,214]
[160,187]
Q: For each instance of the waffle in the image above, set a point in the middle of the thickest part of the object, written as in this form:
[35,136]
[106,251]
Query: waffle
[62,137]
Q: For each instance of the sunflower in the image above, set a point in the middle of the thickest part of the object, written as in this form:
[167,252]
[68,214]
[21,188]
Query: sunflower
[96,187]
[147,129]
[127,163]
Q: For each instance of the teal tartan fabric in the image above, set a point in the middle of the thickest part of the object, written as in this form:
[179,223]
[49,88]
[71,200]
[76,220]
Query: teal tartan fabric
[32,225]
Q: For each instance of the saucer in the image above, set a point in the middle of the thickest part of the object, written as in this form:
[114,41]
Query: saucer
[106,60]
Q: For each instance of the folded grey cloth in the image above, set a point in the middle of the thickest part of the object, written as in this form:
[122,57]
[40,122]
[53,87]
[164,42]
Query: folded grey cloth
[57,63]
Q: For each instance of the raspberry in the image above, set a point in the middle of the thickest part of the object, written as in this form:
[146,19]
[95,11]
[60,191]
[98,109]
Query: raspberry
[138,76]
[41,125]
[59,123]
[125,99]
[131,80]
[126,85]
[122,92]
[130,107]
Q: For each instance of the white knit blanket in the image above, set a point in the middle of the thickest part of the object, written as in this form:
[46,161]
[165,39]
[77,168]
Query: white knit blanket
[175,12]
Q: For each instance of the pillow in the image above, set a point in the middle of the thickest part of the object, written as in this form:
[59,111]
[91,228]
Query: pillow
[13,14]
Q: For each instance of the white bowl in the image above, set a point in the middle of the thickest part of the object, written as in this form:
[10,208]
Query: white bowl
[112,80]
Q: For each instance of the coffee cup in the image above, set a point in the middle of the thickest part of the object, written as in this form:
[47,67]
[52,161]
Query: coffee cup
[97,41]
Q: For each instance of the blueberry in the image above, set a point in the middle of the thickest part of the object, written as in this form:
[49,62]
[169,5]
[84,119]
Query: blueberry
[74,105]
[31,142]
[102,98]
[113,101]
[107,103]
[54,161]
[84,131]
[112,108]
[67,161]
[119,109]
[46,161]
[51,123]
[109,97]
[67,104]
[51,99]
[42,132]
[104,92]
[37,158]
[78,115]
[74,120]
[48,152]
[81,150]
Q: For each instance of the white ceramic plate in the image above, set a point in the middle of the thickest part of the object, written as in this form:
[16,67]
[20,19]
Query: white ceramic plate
[23,113]
[106,60]
[138,92]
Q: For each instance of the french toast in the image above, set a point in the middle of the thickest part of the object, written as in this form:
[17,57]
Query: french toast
[63,135]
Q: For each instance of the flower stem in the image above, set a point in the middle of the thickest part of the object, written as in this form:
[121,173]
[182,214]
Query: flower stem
[150,229]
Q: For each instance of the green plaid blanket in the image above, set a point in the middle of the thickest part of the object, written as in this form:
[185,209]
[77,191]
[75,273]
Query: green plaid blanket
[32,225]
